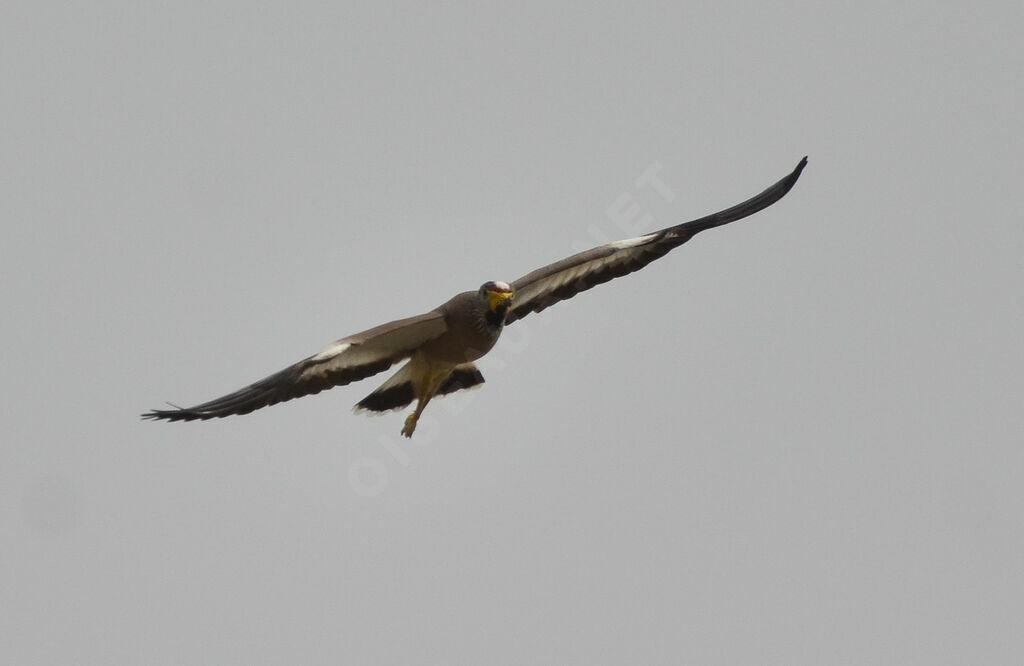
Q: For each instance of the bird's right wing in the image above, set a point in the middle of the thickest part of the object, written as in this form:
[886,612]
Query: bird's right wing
[342,362]
[566,278]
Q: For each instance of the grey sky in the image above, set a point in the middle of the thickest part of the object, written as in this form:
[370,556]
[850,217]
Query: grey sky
[794,440]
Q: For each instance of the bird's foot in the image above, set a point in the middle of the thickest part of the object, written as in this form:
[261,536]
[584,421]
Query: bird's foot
[410,425]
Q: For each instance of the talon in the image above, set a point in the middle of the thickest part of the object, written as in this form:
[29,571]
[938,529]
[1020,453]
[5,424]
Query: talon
[410,425]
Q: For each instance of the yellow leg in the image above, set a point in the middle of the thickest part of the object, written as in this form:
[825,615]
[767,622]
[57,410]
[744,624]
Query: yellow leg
[412,419]
[431,382]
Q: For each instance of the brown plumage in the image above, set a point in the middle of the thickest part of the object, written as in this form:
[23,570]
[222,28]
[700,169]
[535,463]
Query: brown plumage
[442,344]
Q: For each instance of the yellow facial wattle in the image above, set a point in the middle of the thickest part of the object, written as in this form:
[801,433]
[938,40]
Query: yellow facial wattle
[496,298]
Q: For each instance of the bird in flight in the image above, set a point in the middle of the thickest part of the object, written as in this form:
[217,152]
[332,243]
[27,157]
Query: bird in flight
[441,345]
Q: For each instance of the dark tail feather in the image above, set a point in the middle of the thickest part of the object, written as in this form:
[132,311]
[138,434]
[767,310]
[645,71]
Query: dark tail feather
[387,398]
[398,392]
[463,377]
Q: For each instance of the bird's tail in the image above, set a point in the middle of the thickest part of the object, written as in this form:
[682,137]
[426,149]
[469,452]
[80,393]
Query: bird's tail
[398,391]
[463,377]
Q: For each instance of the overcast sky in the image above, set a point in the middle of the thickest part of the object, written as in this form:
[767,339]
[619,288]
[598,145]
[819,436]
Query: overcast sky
[795,440]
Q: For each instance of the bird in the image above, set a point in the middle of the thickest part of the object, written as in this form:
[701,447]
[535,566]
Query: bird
[440,347]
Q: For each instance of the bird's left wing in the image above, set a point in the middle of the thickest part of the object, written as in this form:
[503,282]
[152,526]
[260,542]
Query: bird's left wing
[564,279]
[347,360]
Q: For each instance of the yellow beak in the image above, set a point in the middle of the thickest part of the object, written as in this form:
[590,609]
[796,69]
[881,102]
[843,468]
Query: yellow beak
[496,298]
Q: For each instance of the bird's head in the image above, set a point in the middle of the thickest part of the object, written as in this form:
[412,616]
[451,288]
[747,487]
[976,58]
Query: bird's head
[498,296]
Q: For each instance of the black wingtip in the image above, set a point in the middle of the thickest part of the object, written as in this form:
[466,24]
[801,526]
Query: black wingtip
[176,414]
[795,174]
[161,415]
[756,203]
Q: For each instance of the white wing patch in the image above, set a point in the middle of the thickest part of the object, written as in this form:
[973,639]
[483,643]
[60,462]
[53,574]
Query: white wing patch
[632,242]
[341,355]
[332,349]
[392,341]
[623,252]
